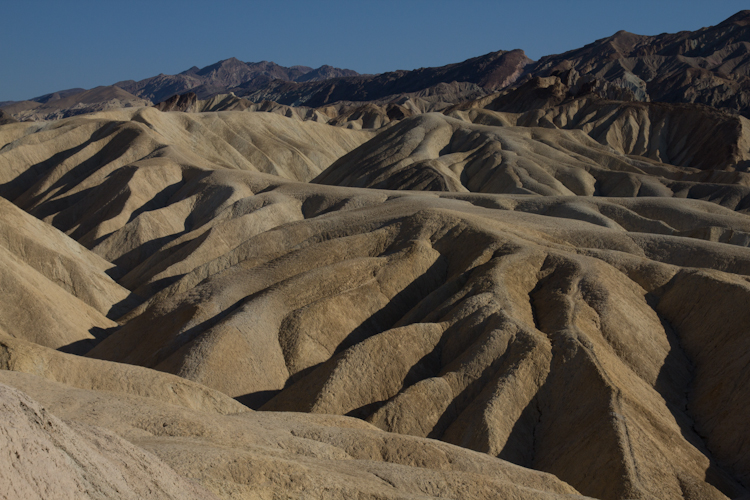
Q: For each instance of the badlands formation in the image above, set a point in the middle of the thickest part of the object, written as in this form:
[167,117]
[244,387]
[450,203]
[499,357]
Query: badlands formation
[529,283]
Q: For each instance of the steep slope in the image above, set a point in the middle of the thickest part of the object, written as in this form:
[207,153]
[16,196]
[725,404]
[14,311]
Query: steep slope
[206,82]
[18,355]
[52,170]
[325,72]
[356,116]
[6,118]
[59,259]
[183,423]
[61,154]
[189,103]
[679,134]
[9,108]
[687,135]
[60,94]
[525,280]
[57,292]
[378,309]
[708,66]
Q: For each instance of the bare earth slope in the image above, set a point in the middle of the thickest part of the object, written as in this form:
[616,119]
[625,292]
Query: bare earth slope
[490,71]
[375,319]
[180,421]
[93,176]
[524,294]
[57,292]
[267,455]
[687,135]
[679,134]
[708,66]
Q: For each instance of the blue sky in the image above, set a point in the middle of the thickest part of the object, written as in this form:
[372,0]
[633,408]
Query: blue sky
[55,45]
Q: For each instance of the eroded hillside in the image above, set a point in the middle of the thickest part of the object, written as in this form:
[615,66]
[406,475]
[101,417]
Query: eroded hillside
[507,286]
[552,329]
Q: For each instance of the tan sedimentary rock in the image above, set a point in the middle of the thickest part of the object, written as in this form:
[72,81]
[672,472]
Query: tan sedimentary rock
[496,155]
[259,455]
[76,371]
[532,313]
[45,457]
[563,333]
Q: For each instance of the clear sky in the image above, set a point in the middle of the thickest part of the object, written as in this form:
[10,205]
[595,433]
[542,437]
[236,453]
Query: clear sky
[49,45]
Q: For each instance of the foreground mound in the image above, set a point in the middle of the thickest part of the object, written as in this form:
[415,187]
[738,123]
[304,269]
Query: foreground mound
[49,458]
[244,456]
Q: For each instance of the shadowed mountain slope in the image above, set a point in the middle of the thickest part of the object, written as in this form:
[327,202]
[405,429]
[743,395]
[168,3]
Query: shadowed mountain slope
[89,374]
[206,82]
[230,73]
[66,152]
[189,103]
[686,135]
[179,420]
[354,115]
[6,118]
[491,71]
[266,81]
[57,292]
[708,66]
[333,314]
[678,134]
[513,325]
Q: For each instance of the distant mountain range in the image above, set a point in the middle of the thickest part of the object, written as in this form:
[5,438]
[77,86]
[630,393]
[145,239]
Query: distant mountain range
[709,66]
[492,71]
[224,75]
